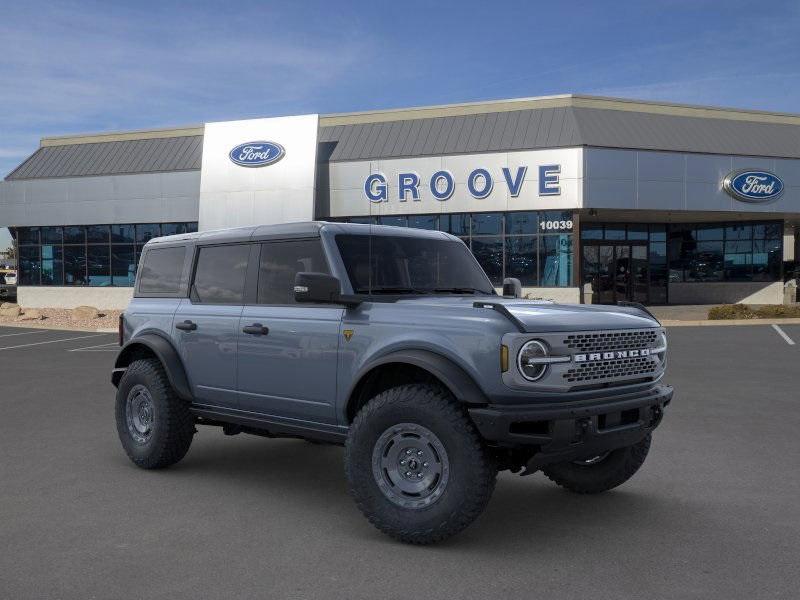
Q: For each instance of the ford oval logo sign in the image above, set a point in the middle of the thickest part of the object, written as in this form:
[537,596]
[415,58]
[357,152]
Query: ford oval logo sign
[257,154]
[753,186]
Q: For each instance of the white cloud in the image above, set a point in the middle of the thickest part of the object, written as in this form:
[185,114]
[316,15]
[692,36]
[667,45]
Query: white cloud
[72,68]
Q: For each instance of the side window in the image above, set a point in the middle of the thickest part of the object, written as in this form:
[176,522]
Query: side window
[161,270]
[280,262]
[220,273]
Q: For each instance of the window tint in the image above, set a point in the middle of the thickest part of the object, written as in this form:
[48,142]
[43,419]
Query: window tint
[161,271]
[219,277]
[280,262]
[389,264]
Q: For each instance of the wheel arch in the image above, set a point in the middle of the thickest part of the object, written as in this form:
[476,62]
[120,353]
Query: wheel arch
[151,345]
[408,366]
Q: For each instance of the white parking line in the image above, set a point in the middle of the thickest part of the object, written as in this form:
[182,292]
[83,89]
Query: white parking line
[98,348]
[23,333]
[782,333]
[83,337]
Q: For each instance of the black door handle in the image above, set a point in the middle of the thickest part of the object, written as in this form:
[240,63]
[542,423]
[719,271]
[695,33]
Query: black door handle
[186,326]
[256,329]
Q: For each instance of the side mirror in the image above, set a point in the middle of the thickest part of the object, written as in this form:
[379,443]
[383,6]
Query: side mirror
[316,287]
[512,287]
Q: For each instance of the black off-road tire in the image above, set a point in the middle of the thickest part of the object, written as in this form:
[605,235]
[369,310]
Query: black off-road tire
[470,476]
[172,425]
[610,472]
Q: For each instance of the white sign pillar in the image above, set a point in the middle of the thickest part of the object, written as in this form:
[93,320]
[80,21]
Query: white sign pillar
[258,172]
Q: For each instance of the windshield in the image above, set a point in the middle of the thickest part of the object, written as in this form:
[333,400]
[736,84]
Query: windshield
[411,265]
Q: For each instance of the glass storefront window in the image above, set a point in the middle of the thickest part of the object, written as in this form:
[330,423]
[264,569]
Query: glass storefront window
[741,251]
[29,264]
[94,255]
[614,231]
[708,232]
[52,235]
[591,231]
[74,235]
[489,252]
[146,232]
[97,234]
[508,244]
[522,223]
[457,224]
[174,228]
[487,224]
[555,260]
[52,265]
[122,234]
[637,232]
[123,265]
[768,231]
[98,259]
[423,222]
[396,221]
[521,259]
[739,231]
[75,265]
[364,220]
[658,233]
[27,235]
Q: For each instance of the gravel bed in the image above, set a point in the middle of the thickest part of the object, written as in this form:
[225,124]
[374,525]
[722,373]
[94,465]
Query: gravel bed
[61,318]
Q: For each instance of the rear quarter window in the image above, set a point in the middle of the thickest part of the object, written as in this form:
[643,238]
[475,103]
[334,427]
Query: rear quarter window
[161,270]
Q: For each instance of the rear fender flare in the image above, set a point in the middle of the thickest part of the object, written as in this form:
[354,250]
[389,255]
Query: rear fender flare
[166,354]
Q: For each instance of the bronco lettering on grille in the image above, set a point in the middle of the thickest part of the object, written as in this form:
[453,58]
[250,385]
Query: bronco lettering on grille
[595,356]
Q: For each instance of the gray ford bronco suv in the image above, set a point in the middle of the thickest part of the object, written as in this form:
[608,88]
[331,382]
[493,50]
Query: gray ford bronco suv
[394,343]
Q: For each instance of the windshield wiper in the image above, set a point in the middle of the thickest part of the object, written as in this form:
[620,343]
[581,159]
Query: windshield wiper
[461,290]
[389,290]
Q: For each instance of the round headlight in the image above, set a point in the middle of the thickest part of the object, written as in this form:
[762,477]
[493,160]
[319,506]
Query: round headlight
[528,360]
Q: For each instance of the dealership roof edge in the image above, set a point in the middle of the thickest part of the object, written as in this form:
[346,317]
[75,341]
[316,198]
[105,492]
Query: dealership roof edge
[493,126]
[559,101]
[461,109]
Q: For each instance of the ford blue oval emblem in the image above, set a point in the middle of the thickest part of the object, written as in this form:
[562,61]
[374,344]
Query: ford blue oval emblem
[257,154]
[753,186]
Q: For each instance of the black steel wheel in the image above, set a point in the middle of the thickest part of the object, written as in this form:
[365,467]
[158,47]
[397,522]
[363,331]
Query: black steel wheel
[410,465]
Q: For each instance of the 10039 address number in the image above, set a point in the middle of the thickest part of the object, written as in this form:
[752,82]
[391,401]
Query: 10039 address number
[556,225]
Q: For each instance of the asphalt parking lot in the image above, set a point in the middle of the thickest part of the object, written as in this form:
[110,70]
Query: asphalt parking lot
[714,513]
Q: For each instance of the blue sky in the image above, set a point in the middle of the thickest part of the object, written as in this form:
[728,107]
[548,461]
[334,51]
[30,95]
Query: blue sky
[74,67]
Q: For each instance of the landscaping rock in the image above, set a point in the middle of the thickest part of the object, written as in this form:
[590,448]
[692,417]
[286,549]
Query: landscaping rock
[31,315]
[8,305]
[13,311]
[82,313]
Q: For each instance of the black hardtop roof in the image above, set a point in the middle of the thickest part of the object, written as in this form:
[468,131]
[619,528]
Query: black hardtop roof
[283,230]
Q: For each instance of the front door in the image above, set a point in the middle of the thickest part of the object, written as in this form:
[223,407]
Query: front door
[207,324]
[616,271]
[288,352]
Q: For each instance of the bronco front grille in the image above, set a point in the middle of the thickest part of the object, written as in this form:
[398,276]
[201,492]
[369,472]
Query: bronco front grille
[618,368]
[612,340]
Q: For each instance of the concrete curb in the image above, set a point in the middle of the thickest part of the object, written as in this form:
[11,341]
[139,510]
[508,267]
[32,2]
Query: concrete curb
[44,325]
[728,322]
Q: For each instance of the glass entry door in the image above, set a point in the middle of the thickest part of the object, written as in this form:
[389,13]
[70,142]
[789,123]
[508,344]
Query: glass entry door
[616,271]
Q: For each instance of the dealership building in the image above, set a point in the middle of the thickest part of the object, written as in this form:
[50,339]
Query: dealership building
[584,199]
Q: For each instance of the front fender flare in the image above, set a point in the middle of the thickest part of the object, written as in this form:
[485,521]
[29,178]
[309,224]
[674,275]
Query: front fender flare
[458,381]
[165,352]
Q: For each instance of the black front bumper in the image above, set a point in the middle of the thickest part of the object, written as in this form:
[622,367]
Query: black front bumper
[575,430]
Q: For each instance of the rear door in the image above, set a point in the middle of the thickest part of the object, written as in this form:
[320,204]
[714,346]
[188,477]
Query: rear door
[207,323]
[287,351]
